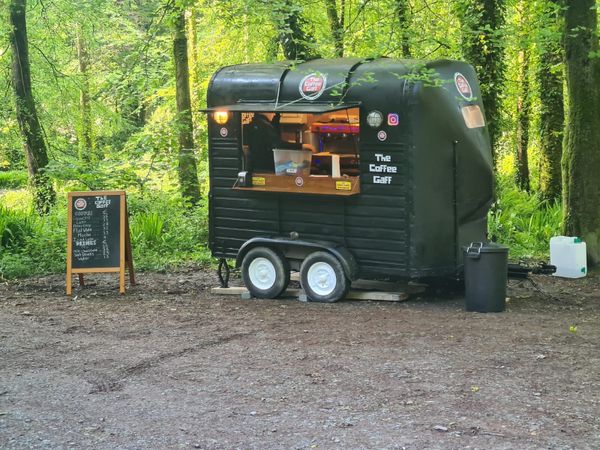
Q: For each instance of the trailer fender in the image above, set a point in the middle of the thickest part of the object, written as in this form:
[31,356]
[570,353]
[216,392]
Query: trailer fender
[287,246]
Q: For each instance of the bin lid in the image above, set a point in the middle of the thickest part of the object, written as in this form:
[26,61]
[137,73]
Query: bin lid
[485,247]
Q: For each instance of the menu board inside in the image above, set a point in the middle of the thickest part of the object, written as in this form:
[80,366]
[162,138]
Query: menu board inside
[95,238]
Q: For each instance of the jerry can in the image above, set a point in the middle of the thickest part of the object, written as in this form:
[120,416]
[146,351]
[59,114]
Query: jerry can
[568,254]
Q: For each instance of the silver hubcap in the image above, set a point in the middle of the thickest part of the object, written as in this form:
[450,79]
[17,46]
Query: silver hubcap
[321,278]
[262,273]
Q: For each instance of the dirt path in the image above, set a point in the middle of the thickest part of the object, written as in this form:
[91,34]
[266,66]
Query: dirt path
[170,366]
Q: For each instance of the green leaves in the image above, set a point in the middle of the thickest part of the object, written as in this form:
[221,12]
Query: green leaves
[132,95]
[523,221]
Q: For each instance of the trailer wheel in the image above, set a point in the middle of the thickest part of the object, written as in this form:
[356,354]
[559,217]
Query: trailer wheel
[323,279]
[266,273]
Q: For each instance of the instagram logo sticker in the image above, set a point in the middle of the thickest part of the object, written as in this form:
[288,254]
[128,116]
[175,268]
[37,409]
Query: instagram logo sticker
[393,119]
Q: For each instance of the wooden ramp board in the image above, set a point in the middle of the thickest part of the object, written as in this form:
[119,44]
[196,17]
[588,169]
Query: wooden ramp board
[389,286]
[297,293]
[376,285]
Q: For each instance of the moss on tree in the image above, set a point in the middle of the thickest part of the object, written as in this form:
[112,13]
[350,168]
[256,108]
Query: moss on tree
[581,158]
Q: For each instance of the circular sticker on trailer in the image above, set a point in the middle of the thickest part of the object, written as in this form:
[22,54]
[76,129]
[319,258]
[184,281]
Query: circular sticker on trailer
[80,204]
[223,132]
[382,135]
[462,86]
[312,86]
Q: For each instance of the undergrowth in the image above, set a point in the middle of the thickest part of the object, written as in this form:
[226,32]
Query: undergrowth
[165,234]
[13,179]
[523,221]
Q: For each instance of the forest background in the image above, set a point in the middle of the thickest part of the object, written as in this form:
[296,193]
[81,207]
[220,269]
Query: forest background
[106,94]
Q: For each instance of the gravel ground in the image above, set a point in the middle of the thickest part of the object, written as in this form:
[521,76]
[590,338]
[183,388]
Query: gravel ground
[169,365]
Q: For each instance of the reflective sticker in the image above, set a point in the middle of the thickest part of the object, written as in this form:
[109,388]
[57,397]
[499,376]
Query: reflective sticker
[299,181]
[223,132]
[343,185]
[382,135]
[312,86]
[462,86]
[393,119]
[258,181]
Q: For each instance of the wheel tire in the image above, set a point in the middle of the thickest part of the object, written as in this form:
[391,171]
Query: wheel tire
[323,278]
[266,273]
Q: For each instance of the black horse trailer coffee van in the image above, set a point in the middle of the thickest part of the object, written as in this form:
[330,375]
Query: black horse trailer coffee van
[346,168]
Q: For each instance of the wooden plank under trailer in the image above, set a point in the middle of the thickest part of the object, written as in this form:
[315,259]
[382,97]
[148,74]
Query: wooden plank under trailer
[361,290]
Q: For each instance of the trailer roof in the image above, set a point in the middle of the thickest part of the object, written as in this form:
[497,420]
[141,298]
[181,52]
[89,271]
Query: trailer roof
[290,107]
[320,85]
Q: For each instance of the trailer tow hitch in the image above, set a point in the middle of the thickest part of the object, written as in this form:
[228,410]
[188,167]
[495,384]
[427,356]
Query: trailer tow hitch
[522,271]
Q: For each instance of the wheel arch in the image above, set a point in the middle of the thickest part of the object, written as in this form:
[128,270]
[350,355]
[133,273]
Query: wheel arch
[290,246]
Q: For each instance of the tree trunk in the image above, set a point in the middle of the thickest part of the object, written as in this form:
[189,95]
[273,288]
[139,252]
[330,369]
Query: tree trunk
[403,18]
[336,23]
[29,124]
[187,170]
[552,112]
[294,40]
[482,21]
[523,111]
[85,139]
[192,26]
[581,158]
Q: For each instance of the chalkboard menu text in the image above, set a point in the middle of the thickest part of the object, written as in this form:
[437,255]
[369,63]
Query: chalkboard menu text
[98,235]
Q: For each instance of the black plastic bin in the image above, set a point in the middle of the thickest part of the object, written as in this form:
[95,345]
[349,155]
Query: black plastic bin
[486,268]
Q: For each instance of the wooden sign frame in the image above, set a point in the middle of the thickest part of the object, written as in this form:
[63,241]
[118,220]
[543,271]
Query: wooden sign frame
[125,254]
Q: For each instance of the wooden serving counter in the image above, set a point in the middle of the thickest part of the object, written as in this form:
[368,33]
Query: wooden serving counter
[313,184]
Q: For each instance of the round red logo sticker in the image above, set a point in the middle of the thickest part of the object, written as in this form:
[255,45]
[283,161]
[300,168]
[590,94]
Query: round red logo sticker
[80,204]
[463,87]
[312,86]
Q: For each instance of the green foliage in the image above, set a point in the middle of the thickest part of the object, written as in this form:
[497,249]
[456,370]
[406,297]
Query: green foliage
[11,152]
[13,179]
[148,229]
[34,244]
[132,100]
[166,233]
[15,227]
[523,221]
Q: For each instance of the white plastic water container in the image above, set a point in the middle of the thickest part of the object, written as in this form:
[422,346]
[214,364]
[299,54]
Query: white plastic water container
[568,254]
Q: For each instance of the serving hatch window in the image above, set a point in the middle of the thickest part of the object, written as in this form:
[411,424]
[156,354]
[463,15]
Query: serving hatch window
[473,116]
[303,152]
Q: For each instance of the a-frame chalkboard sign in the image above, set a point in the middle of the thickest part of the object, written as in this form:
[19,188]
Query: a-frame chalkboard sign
[98,238]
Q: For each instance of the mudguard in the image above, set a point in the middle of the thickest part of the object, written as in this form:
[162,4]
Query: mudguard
[340,252]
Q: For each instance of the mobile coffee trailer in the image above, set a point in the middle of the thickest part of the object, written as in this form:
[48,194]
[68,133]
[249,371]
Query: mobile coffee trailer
[346,168]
